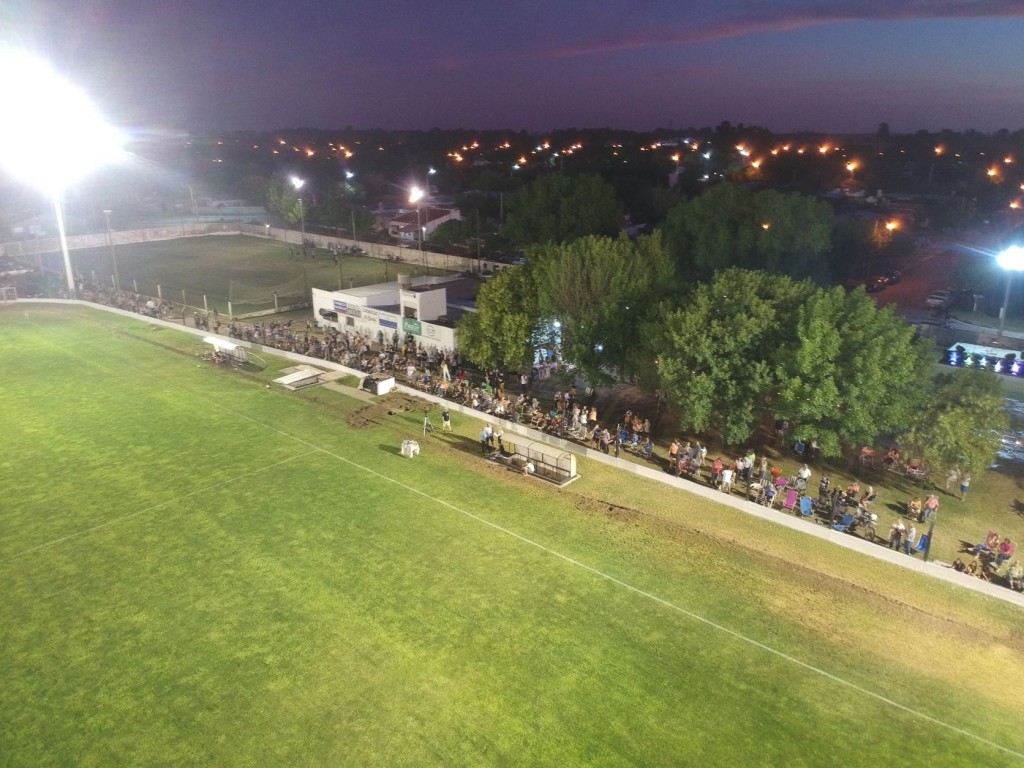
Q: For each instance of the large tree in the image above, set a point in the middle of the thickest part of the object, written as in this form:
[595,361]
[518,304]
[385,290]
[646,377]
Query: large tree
[500,333]
[729,226]
[601,290]
[717,352]
[749,347]
[851,371]
[558,208]
[962,421]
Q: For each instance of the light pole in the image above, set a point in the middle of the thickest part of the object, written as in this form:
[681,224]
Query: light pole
[1012,260]
[415,195]
[297,183]
[348,177]
[113,253]
[56,116]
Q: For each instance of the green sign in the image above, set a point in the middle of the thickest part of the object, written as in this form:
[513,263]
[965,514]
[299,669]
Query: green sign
[412,326]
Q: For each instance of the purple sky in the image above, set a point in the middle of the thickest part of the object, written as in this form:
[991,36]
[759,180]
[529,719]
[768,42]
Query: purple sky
[825,65]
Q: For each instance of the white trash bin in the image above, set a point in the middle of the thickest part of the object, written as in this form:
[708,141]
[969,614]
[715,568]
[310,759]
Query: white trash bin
[410,448]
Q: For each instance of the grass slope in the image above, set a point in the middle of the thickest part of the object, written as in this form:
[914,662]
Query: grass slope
[199,570]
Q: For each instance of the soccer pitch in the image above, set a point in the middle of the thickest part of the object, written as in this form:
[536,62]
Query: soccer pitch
[200,570]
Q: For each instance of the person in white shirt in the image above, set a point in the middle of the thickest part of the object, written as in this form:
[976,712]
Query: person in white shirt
[727,480]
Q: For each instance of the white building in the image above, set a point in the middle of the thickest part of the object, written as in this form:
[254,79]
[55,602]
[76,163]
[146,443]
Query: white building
[415,307]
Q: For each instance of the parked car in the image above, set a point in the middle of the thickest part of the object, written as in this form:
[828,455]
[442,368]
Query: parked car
[939,299]
[876,284]
[894,276]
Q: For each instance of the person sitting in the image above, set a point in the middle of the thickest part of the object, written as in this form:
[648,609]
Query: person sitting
[914,507]
[977,568]
[868,498]
[1005,551]
[529,468]
[892,458]
[989,546]
[853,489]
[1015,576]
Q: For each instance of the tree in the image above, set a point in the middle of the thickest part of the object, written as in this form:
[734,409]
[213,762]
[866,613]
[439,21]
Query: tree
[600,290]
[499,333]
[557,208]
[853,371]
[457,232]
[750,346]
[283,200]
[716,353]
[731,227]
[962,422]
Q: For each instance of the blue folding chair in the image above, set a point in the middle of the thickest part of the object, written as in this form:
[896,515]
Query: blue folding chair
[844,523]
[922,543]
[806,507]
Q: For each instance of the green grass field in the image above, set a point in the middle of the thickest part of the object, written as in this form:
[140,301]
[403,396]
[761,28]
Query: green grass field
[208,265]
[199,570]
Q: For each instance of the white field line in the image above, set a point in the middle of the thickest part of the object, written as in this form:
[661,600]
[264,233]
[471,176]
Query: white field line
[153,508]
[643,593]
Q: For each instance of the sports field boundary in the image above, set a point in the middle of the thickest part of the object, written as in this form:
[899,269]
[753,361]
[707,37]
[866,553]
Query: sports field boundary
[932,569]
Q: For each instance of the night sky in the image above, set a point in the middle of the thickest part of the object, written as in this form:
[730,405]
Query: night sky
[784,64]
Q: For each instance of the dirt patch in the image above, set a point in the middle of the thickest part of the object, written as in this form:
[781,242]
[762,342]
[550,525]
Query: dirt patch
[602,507]
[392,404]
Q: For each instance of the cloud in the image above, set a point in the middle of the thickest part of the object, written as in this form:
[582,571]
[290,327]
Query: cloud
[730,20]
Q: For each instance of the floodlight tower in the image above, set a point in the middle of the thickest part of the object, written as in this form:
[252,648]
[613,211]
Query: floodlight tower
[297,183]
[1012,260]
[415,195]
[57,138]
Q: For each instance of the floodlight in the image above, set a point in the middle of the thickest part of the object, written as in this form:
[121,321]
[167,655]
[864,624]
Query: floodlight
[415,195]
[56,137]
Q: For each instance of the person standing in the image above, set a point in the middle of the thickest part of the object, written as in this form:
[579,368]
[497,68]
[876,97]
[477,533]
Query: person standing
[673,455]
[909,537]
[446,421]
[483,440]
[965,484]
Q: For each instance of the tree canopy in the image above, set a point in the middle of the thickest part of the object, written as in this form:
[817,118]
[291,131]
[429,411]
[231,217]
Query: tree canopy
[851,371]
[717,352]
[750,346]
[499,334]
[558,208]
[601,290]
[962,421]
[729,226]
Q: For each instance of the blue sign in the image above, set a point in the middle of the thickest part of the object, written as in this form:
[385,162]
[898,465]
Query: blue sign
[389,323]
[340,306]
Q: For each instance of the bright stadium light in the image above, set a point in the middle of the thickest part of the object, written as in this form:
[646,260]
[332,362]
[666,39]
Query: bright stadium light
[57,136]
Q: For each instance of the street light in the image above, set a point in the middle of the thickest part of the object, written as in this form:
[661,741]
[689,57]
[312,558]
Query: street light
[851,167]
[56,117]
[297,183]
[1012,260]
[113,253]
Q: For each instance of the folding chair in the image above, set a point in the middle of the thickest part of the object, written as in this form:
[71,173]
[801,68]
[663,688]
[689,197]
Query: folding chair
[792,498]
[844,523]
[806,506]
[922,543]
